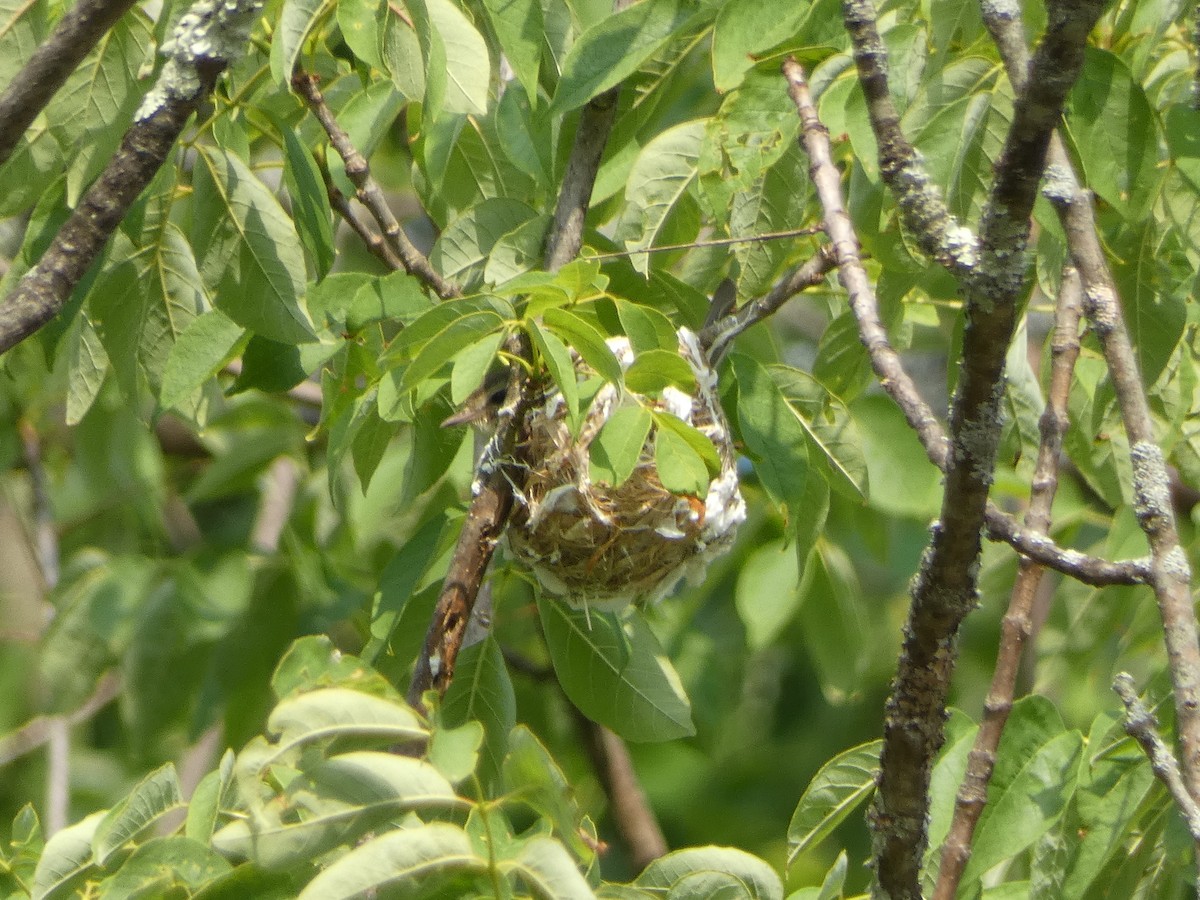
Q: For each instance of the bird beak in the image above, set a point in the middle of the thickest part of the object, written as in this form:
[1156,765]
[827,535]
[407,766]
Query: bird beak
[468,415]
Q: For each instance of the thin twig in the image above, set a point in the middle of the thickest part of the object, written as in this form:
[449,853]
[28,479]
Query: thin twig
[76,33]
[900,386]
[1015,627]
[715,242]
[627,804]
[925,213]
[35,733]
[1142,726]
[280,484]
[1170,574]
[369,191]
[717,337]
[201,48]
[45,533]
[378,247]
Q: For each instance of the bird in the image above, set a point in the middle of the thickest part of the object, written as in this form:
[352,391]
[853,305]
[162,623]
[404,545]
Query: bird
[482,404]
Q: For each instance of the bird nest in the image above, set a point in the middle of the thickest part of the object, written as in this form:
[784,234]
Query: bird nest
[602,547]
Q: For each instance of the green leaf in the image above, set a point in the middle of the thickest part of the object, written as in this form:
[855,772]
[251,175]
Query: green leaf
[332,712]
[838,788]
[1183,141]
[461,251]
[296,20]
[249,251]
[587,342]
[87,367]
[830,428]
[742,29]
[903,480]
[154,795]
[428,852]
[1032,804]
[762,882]
[754,128]
[777,441]
[646,328]
[618,446]
[362,24]
[204,806]
[518,251]
[1155,286]
[202,349]
[774,205]
[531,773]
[696,439]
[398,297]
[399,582]
[519,26]
[653,370]
[402,56]
[25,26]
[558,360]
[443,346]
[483,692]
[310,201]
[471,364]
[92,109]
[616,672]
[767,593]
[835,622]
[658,182]
[457,64]
[612,49]
[165,866]
[344,797]
[1119,163]
[680,468]
[66,858]
[548,869]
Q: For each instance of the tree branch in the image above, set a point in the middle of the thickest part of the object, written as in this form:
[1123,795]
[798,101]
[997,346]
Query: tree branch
[631,813]
[717,337]
[925,213]
[369,191]
[898,384]
[992,272]
[1015,628]
[1141,725]
[76,33]
[1170,574]
[205,39]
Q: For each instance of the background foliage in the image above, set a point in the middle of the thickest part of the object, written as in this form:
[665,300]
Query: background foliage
[163,417]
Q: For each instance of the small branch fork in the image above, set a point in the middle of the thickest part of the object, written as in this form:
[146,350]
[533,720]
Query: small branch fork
[991,269]
[396,242]
[1015,627]
[201,46]
[1170,575]
[1141,725]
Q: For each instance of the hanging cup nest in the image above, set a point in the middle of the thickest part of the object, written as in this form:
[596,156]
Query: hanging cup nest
[604,547]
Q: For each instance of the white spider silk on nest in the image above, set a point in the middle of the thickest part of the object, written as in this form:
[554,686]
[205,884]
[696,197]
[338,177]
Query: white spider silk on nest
[603,547]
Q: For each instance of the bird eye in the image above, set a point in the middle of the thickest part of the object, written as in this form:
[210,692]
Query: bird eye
[497,396]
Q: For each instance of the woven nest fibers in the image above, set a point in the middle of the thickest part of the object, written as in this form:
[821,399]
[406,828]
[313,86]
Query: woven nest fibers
[603,547]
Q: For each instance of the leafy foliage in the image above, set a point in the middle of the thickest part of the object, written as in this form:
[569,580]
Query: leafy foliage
[235,349]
